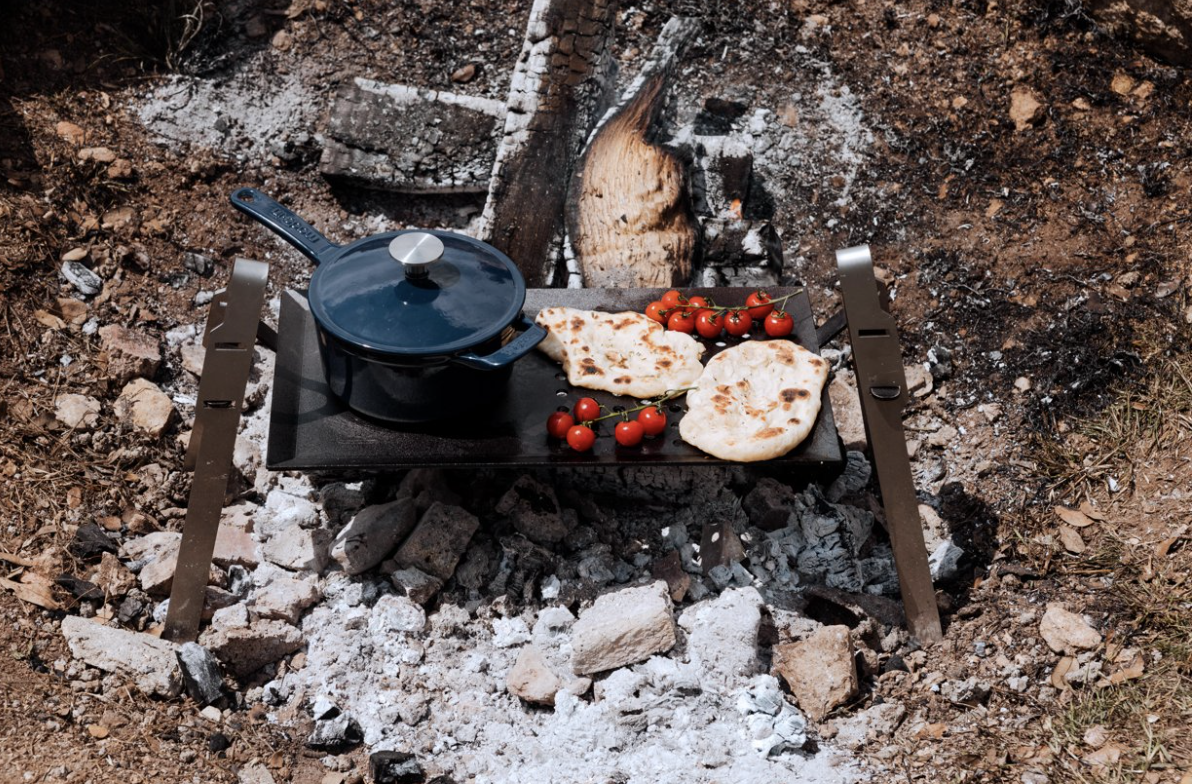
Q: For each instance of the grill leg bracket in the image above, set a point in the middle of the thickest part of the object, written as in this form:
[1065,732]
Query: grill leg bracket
[232,329]
[881,383]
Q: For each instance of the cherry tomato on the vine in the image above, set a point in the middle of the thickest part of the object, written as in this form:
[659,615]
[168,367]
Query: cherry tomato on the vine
[673,299]
[779,324]
[580,438]
[629,433]
[655,311]
[653,420]
[681,321]
[709,323]
[737,323]
[559,423]
[586,410]
[758,304]
[695,303]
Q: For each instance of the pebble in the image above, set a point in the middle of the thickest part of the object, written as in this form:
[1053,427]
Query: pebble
[83,279]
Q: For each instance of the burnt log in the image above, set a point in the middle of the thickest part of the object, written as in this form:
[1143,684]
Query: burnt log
[555,97]
[629,217]
[398,138]
[739,253]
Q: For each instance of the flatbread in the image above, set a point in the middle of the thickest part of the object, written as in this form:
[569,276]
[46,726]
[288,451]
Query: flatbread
[755,401]
[622,353]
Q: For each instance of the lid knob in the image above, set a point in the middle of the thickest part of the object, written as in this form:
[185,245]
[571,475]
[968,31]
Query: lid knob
[417,251]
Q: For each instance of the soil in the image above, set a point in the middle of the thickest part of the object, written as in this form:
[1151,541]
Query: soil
[1054,250]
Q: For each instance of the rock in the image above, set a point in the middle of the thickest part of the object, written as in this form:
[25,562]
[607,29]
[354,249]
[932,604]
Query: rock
[246,649]
[1066,632]
[145,407]
[285,598]
[774,726]
[97,154]
[846,410]
[373,534]
[438,541]
[1161,27]
[396,614]
[944,561]
[146,660]
[84,590]
[670,569]
[121,169]
[69,132]
[128,354]
[255,773]
[852,479]
[198,263]
[112,577]
[90,542]
[282,41]
[622,628]
[768,504]
[416,584]
[465,74]
[943,438]
[341,500]
[200,673]
[79,412]
[722,638]
[719,546]
[82,278]
[919,381]
[532,678]
[394,767]
[874,724]
[819,670]
[234,545]
[534,509]
[1025,108]
[335,734]
[71,310]
[298,549]
[508,632]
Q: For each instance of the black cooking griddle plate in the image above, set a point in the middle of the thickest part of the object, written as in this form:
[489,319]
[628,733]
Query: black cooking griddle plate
[311,430]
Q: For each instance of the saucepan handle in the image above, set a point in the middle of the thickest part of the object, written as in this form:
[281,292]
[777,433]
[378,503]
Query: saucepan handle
[286,224]
[531,336]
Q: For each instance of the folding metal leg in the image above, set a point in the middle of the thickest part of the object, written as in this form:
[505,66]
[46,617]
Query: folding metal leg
[229,339]
[881,382]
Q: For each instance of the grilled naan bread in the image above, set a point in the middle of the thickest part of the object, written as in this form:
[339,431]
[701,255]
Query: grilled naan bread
[622,353]
[755,401]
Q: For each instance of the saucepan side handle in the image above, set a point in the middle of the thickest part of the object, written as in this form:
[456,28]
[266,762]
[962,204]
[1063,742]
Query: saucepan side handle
[531,336]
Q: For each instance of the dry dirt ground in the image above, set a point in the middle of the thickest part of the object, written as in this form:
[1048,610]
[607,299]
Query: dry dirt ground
[1055,249]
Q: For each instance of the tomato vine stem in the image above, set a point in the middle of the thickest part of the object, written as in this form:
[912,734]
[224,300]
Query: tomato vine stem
[670,394]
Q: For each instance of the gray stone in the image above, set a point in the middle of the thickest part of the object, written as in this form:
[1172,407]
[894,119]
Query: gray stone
[819,670]
[1066,632]
[722,638]
[416,584]
[148,661]
[298,549]
[438,541]
[622,628]
[394,767]
[534,509]
[82,278]
[200,673]
[245,649]
[285,598]
[373,534]
[127,353]
[255,773]
[335,734]
[145,407]
[874,724]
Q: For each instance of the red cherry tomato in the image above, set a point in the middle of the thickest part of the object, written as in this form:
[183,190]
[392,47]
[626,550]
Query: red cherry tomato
[586,410]
[709,323]
[673,299]
[681,321]
[629,433]
[559,423]
[655,311]
[779,324]
[737,323]
[758,304]
[580,438]
[695,303]
[652,419]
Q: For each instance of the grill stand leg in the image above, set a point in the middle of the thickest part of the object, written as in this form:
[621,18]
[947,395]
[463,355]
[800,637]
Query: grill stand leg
[881,383]
[231,333]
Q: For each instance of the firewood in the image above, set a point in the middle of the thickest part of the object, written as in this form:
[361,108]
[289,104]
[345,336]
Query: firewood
[554,99]
[398,138]
[735,251]
[629,216]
